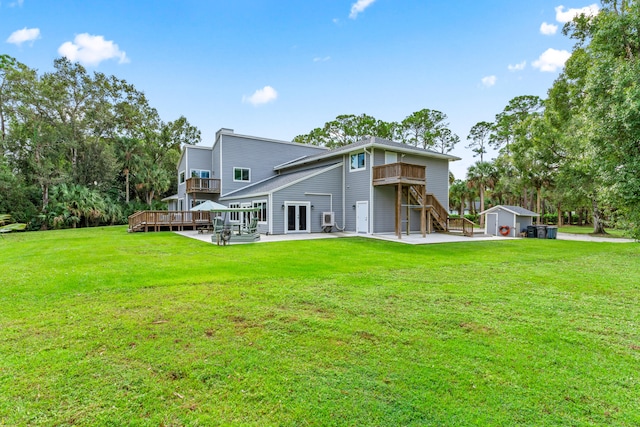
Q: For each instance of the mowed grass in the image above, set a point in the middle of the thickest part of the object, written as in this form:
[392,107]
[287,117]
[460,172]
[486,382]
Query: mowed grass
[101,327]
[588,229]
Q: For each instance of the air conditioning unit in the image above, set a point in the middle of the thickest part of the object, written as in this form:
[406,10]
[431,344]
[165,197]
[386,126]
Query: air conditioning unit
[327,219]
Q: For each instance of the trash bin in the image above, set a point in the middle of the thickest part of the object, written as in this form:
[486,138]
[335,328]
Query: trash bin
[531,231]
[542,231]
[552,232]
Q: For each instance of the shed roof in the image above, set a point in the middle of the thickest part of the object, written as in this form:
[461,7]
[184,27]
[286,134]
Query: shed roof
[516,210]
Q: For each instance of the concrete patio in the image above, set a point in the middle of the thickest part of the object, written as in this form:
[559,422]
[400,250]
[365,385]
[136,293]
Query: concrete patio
[413,239]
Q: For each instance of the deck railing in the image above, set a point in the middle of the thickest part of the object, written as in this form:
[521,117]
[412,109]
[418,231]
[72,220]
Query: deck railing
[461,224]
[157,220]
[203,185]
[398,173]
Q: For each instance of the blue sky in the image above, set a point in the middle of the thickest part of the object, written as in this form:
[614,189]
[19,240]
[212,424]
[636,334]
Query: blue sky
[281,68]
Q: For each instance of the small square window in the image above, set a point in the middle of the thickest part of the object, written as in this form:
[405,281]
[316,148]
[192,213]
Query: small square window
[241,174]
[357,161]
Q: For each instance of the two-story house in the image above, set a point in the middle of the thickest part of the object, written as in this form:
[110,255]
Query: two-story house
[372,186]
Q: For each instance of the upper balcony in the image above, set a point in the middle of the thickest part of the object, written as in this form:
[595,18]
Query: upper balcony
[203,185]
[399,173]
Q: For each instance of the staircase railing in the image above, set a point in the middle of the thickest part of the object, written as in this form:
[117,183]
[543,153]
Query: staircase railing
[439,215]
[461,224]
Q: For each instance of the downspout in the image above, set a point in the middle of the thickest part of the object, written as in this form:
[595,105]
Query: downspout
[370,189]
[335,224]
[270,219]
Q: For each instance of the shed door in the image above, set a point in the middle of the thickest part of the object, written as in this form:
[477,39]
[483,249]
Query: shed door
[491,227]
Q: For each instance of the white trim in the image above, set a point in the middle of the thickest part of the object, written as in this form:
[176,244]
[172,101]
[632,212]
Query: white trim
[486,224]
[241,168]
[266,210]
[358,204]
[286,217]
[271,208]
[355,153]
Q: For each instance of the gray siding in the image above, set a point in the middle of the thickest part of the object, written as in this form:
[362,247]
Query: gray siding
[385,196]
[357,189]
[193,158]
[516,222]
[327,182]
[260,156]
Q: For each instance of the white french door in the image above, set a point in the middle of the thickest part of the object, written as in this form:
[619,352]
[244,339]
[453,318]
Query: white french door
[297,216]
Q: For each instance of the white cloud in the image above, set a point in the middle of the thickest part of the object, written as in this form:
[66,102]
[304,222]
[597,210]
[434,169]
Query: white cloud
[548,29]
[569,14]
[261,96]
[551,60]
[517,67]
[321,59]
[358,7]
[17,3]
[489,81]
[92,50]
[24,35]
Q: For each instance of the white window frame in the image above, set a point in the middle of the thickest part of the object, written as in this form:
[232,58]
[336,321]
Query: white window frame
[181,177]
[234,216]
[364,162]
[198,173]
[235,168]
[263,205]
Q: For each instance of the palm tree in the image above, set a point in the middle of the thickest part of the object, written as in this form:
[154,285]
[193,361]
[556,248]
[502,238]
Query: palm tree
[482,176]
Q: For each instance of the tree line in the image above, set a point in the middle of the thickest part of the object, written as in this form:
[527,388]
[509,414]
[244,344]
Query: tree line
[577,152]
[82,149]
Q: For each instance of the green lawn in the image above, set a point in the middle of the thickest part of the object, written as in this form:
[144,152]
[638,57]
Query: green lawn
[588,229]
[102,327]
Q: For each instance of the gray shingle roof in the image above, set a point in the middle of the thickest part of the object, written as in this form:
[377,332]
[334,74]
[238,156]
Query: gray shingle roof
[274,183]
[515,209]
[368,142]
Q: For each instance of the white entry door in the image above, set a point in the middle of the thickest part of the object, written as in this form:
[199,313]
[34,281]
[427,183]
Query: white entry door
[296,217]
[362,217]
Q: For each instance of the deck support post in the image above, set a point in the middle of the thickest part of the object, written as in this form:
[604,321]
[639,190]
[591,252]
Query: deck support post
[398,211]
[423,216]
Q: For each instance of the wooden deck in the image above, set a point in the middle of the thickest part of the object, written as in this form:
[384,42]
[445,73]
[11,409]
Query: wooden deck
[399,173]
[169,220]
[203,185]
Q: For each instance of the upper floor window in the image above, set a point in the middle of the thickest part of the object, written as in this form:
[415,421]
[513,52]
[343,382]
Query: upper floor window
[242,174]
[181,180]
[200,173]
[357,161]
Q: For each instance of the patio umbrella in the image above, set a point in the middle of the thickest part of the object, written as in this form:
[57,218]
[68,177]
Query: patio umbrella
[207,206]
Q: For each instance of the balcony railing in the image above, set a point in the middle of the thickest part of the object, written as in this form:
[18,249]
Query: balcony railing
[203,185]
[399,173]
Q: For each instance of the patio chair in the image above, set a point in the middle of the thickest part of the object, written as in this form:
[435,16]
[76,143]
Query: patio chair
[252,228]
